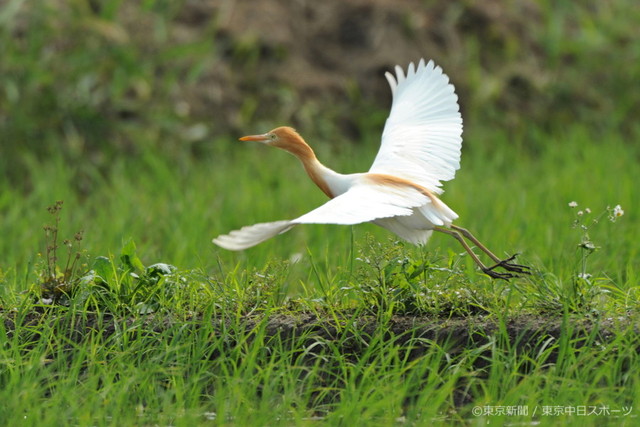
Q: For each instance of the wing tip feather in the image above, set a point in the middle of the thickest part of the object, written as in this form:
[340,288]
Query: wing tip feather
[393,84]
[252,235]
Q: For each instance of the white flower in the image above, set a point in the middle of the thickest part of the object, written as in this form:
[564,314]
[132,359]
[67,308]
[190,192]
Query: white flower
[587,210]
[617,211]
[580,213]
[588,245]
[573,204]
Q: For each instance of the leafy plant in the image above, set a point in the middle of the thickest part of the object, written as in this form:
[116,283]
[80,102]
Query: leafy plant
[126,285]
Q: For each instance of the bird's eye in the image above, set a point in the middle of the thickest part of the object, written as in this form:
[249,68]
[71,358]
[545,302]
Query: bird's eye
[272,136]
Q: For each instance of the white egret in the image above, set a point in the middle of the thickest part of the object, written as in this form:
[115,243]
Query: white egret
[420,149]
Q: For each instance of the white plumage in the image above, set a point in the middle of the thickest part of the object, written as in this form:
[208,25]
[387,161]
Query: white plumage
[422,137]
[420,143]
[420,149]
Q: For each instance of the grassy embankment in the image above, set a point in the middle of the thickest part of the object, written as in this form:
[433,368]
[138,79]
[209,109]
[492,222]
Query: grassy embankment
[139,345]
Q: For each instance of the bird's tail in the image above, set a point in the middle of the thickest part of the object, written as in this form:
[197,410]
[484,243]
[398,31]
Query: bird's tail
[251,235]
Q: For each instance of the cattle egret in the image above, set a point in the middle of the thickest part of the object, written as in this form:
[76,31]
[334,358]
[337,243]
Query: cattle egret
[420,149]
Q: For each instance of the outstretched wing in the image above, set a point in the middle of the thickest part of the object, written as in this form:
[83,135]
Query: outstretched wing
[423,133]
[361,203]
[251,235]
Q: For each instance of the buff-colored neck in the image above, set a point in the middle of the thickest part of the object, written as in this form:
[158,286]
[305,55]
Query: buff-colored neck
[289,140]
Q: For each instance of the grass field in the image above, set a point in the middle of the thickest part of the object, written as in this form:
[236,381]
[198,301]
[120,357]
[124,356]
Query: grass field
[154,325]
[194,345]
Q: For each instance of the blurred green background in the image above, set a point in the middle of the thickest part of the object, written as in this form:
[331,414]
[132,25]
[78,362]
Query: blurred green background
[130,111]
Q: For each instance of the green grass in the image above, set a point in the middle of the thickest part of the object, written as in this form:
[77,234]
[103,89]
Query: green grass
[205,351]
[385,333]
[511,199]
[226,366]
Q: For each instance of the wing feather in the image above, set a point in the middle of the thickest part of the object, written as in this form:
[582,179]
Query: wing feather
[364,203]
[361,203]
[251,235]
[422,137]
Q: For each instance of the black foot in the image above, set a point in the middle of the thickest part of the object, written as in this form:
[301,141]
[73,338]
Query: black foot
[496,275]
[509,266]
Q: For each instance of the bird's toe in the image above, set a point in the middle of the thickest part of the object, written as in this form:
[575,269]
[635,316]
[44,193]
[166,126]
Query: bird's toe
[512,267]
[496,274]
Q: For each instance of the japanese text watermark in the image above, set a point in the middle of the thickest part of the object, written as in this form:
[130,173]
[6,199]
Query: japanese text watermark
[551,410]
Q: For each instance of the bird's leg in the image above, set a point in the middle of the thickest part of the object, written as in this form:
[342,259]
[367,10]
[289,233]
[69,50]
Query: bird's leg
[488,271]
[466,233]
[504,263]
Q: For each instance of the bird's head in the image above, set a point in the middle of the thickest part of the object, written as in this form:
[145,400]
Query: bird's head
[283,137]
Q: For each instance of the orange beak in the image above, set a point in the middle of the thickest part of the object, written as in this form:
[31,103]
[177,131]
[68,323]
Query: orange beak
[258,138]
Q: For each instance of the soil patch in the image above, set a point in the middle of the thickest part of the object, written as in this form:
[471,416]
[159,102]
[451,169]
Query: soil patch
[418,333]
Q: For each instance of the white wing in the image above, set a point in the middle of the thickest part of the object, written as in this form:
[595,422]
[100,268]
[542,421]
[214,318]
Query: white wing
[361,203]
[251,235]
[364,203]
[423,133]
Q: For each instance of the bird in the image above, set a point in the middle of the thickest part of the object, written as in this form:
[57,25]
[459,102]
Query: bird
[420,149]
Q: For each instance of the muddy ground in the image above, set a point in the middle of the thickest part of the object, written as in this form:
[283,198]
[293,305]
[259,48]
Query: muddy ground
[527,332]
[536,336]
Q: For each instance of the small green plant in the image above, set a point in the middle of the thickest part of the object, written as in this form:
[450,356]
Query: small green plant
[583,292]
[583,222]
[585,287]
[390,280]
[128,286]
[58,280]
